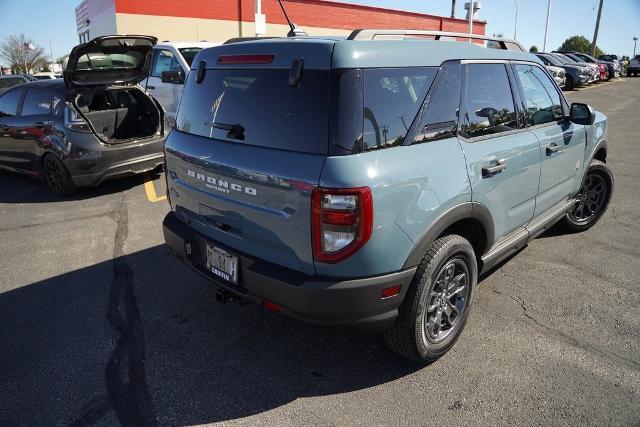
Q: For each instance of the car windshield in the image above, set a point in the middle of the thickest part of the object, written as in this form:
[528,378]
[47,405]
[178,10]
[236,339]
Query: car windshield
[552,59]
[576,59]
[188,53]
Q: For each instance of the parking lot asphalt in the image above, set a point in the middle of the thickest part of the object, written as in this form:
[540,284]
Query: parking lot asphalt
[99,324]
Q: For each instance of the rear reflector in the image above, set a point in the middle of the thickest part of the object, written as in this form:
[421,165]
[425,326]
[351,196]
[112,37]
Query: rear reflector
[391,291]
[271,306]
[245,59]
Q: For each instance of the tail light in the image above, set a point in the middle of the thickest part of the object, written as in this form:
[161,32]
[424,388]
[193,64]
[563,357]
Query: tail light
[342,222]
[166,178]
[73,121]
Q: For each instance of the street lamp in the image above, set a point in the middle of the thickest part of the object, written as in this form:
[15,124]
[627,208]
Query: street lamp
[515,28]
[635,40]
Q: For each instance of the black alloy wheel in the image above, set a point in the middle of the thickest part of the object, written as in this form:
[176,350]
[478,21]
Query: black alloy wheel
[593,199]
[57,176]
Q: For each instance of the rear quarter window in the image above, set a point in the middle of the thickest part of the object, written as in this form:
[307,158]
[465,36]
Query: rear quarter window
[392,97]
[9,102]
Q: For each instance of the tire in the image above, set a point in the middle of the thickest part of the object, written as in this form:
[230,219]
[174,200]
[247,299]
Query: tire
[594,198]
[568,84]
[56,176]
[414,334]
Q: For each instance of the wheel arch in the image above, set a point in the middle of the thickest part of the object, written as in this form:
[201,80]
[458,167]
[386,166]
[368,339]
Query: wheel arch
[471,220]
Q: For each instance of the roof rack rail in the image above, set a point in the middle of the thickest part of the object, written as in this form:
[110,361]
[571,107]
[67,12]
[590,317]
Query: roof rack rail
[372,34]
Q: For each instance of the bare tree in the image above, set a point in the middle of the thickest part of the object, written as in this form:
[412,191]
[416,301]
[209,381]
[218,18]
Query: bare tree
[22,53]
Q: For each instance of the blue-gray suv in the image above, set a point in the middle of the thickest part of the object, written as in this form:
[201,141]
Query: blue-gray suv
[367,181]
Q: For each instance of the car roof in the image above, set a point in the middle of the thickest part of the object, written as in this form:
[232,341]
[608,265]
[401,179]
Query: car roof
[48,84]
[341,53]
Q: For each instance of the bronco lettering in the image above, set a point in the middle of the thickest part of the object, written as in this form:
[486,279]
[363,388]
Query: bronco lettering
[217,184]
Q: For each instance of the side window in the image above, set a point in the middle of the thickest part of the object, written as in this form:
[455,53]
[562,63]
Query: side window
[37,102]
[163,60]
[488,101]
[9,103]
[392,97]
[439,114]
[541,98]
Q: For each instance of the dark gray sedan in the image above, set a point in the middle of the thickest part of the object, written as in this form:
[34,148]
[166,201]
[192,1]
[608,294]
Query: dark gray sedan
[94,125]
[576,75]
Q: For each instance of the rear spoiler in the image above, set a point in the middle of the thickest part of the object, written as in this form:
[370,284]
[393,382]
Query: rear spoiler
[248,39]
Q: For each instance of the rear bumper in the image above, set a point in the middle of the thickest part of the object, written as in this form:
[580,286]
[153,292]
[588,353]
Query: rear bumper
[119,169]
[351,303]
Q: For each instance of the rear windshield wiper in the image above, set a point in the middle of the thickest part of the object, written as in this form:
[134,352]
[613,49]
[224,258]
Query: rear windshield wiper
[235,131]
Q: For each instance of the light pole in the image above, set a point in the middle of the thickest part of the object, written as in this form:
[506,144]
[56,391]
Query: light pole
[635,40]
[515,27]
[546,27]
[471,18]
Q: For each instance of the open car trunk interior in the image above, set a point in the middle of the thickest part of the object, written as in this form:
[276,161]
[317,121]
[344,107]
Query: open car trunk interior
[119,114]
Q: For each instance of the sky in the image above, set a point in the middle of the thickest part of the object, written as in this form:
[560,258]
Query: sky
[620,20]
[53,21]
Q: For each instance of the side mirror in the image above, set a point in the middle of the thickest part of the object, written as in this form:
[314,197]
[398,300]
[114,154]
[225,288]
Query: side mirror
[173,77]
[582,114]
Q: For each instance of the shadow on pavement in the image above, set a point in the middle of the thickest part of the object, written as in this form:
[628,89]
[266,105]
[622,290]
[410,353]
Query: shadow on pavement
[141,338]
[23,189]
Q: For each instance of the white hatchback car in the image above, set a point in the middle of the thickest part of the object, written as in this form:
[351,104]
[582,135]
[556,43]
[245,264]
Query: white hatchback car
[170,65]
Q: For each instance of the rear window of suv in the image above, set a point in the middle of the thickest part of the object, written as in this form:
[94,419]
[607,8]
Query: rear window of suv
[258,107]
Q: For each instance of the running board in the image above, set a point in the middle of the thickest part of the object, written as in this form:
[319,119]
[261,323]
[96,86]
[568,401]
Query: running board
[519,238]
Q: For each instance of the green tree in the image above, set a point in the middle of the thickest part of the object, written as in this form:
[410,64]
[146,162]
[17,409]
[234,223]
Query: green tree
[22,53]
[533,49]
[579,44]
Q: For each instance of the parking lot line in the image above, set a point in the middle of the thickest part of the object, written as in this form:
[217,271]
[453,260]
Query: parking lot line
[151,191]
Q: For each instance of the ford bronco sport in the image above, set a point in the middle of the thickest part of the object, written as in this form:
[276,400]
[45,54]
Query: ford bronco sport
[367,181]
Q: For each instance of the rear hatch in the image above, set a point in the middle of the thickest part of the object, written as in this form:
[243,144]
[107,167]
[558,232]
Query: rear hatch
[251,137]
[109,60]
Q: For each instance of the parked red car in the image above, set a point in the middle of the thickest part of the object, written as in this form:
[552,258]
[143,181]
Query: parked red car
[604,73]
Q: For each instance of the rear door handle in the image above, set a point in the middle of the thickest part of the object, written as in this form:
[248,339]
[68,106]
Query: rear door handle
[488,171]
[553,148]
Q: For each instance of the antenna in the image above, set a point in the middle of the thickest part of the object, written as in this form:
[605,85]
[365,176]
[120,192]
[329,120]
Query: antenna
[295,31]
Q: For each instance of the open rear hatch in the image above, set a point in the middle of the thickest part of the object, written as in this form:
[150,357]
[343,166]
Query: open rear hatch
[109,60]
[252,136]
[101,74]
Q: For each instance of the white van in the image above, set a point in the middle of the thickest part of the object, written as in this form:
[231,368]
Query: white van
[170,65]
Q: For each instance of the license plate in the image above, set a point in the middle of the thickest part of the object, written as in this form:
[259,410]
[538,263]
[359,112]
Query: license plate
[222,264]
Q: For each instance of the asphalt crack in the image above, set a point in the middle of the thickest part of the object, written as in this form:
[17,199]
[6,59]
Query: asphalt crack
[125,378]
[567,338]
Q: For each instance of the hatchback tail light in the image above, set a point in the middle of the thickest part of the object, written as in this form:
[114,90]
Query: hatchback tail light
[73,121]
[166,178]
[342,222]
